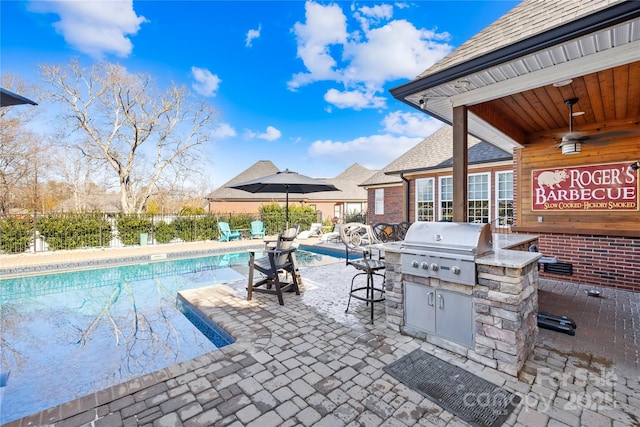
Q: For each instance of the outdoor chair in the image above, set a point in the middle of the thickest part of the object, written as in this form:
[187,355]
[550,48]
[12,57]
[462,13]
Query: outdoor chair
[314,231]
[360,247]
[257,230]
[226,234]
[278,268]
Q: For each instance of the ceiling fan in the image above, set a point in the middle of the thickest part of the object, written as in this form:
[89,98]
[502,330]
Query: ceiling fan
[571,143]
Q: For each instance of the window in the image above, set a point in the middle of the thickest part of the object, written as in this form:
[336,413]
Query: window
[424,199]
[379,201]
[478,195]
[446,198]
[504,198]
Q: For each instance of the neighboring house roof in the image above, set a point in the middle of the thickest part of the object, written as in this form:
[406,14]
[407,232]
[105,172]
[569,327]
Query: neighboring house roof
[259,169]
[347,182]
[105,203]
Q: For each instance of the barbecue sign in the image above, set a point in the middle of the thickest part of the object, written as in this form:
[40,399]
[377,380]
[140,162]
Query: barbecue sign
[605,187]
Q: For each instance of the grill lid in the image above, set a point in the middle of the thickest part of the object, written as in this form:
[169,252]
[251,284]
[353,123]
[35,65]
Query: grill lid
[451,237]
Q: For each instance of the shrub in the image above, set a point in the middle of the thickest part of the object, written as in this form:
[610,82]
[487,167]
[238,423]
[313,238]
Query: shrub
[131,226]
[163,232]
[72,231]
[15,234]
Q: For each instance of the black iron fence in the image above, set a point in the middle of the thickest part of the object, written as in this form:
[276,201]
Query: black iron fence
[65,231]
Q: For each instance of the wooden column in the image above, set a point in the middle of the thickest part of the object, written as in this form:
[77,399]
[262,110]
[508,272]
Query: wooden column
[460,164]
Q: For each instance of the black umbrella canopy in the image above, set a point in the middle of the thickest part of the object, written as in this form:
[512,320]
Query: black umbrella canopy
[8,98]
[285,182]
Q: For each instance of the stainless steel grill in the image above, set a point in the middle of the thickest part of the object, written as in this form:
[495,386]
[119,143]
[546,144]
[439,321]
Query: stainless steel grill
[445,250]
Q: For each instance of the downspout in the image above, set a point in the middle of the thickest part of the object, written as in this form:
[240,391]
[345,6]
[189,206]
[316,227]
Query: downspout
[406,197]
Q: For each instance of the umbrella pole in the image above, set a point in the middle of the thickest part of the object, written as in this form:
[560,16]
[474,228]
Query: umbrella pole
[286,209]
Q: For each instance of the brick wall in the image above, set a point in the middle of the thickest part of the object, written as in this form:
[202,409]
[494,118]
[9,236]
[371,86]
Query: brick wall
[393,205]
[597,260]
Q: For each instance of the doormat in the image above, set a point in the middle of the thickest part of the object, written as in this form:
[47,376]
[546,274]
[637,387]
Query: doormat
[469,397]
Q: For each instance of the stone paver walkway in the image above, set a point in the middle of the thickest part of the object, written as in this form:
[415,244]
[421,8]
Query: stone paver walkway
[308,363]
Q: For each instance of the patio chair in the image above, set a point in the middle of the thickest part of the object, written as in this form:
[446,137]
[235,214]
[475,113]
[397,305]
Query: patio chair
[226,234]
[278,266]
[314,230]
[360,244]
[257,230]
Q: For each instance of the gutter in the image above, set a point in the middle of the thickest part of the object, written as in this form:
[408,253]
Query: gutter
[406,196]
[611,16]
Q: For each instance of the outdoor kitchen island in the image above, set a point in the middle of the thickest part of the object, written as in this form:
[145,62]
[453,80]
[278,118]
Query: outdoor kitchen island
[491,319]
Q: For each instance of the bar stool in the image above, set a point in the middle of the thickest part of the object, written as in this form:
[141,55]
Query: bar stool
[359,240]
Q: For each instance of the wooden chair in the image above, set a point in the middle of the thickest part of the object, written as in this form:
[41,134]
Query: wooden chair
[226,234]
[278,267]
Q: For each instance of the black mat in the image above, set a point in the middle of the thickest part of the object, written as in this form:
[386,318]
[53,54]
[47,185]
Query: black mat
[469,397]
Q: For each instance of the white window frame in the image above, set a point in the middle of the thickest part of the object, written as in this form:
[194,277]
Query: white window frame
[378,201]
[488,191]
[417,201]
[441,199]
[499,199]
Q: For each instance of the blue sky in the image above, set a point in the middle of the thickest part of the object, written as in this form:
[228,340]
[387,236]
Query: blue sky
[303,84]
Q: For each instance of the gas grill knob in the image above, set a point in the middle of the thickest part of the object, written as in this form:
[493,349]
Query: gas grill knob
[424,266]
[455,270]
[434,267]
[414,264]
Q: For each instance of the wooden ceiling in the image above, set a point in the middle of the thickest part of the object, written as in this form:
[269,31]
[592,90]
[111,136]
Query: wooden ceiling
[610,100]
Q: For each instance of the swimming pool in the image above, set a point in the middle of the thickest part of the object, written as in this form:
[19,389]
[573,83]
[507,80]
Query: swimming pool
[70,334]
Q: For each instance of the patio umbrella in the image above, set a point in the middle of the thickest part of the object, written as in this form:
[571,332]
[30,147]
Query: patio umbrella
[8,99]
[285,182]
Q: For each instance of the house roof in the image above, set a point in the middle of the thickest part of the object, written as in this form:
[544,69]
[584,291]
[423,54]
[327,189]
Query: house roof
[534,45]
[525,20]
[436,151]
[105,203]
[258,169]
[347,182]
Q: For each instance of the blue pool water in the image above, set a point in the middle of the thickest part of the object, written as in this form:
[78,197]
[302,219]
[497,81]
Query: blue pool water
[70,334]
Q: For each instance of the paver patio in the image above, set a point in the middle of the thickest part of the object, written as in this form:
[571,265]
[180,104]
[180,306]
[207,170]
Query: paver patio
[310,363]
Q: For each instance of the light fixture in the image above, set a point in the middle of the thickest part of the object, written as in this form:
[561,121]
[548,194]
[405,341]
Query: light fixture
[634,166]
[461,84]
[571,147]
[571,143]
[562,83]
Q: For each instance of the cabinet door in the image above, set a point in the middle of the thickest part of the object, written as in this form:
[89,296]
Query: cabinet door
[454,313]
[419,305]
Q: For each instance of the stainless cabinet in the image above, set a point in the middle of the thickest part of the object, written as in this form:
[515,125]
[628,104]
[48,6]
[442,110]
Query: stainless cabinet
[445,314]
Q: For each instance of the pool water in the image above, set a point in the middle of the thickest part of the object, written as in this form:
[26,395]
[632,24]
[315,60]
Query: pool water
[70,334]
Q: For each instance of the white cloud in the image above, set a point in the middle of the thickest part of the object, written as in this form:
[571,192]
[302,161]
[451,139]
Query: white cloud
[94,27]
[411,124]
[271,134]
[363,60]
[325,26]
[252,35]
[356,99]
[223,130]
[206,83]
[373,152]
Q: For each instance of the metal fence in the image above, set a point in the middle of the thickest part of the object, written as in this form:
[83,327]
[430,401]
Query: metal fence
[65,231]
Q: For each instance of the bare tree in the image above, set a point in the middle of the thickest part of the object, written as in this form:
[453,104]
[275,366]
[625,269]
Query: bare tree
[19,150]
[120,118]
